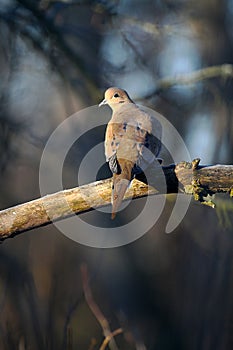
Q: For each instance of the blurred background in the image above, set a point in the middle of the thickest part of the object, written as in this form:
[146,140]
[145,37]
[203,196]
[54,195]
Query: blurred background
[166,291]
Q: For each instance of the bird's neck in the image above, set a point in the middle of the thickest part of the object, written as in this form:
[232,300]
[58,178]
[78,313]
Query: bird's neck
[120,105]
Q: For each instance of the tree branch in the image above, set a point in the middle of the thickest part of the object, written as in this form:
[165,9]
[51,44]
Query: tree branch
[223,71]
[108,334]
[190,178]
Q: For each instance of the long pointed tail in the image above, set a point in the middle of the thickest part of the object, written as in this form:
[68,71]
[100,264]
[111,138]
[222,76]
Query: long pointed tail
[120,183]
[119,188]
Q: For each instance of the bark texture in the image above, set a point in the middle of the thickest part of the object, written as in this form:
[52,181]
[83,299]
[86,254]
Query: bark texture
[190,178]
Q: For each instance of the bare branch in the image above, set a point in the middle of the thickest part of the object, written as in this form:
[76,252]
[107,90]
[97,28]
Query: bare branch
[192,179]
[108,338]
[98,313]
[223,71]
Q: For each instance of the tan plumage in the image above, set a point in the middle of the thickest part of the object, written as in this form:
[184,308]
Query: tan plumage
[130,145]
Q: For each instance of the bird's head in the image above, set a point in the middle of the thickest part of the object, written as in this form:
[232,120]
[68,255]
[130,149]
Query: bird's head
[115,97]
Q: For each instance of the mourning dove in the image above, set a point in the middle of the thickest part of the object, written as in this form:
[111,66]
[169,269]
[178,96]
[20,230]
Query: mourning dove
[132,141]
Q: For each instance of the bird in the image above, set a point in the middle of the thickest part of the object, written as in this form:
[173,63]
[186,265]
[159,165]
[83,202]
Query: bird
[132,141]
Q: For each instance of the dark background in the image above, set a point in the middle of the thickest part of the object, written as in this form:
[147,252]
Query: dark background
[166,291]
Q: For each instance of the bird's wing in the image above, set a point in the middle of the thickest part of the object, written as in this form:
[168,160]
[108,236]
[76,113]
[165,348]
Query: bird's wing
[150,131]
[120,143]
[132,135]
[156,136]
[111,147]
[151,146]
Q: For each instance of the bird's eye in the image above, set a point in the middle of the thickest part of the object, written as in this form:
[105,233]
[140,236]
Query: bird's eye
[116,95]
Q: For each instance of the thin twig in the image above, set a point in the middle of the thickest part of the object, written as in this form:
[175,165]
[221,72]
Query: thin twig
[108,338]
[95,308]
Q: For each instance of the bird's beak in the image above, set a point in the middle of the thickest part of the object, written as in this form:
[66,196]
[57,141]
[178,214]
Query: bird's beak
[104,102]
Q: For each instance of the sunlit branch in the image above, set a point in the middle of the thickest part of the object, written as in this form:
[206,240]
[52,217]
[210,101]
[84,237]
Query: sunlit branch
[192,179]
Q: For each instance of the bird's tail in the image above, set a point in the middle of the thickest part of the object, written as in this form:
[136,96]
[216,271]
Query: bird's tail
[118,192]
[120,184]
